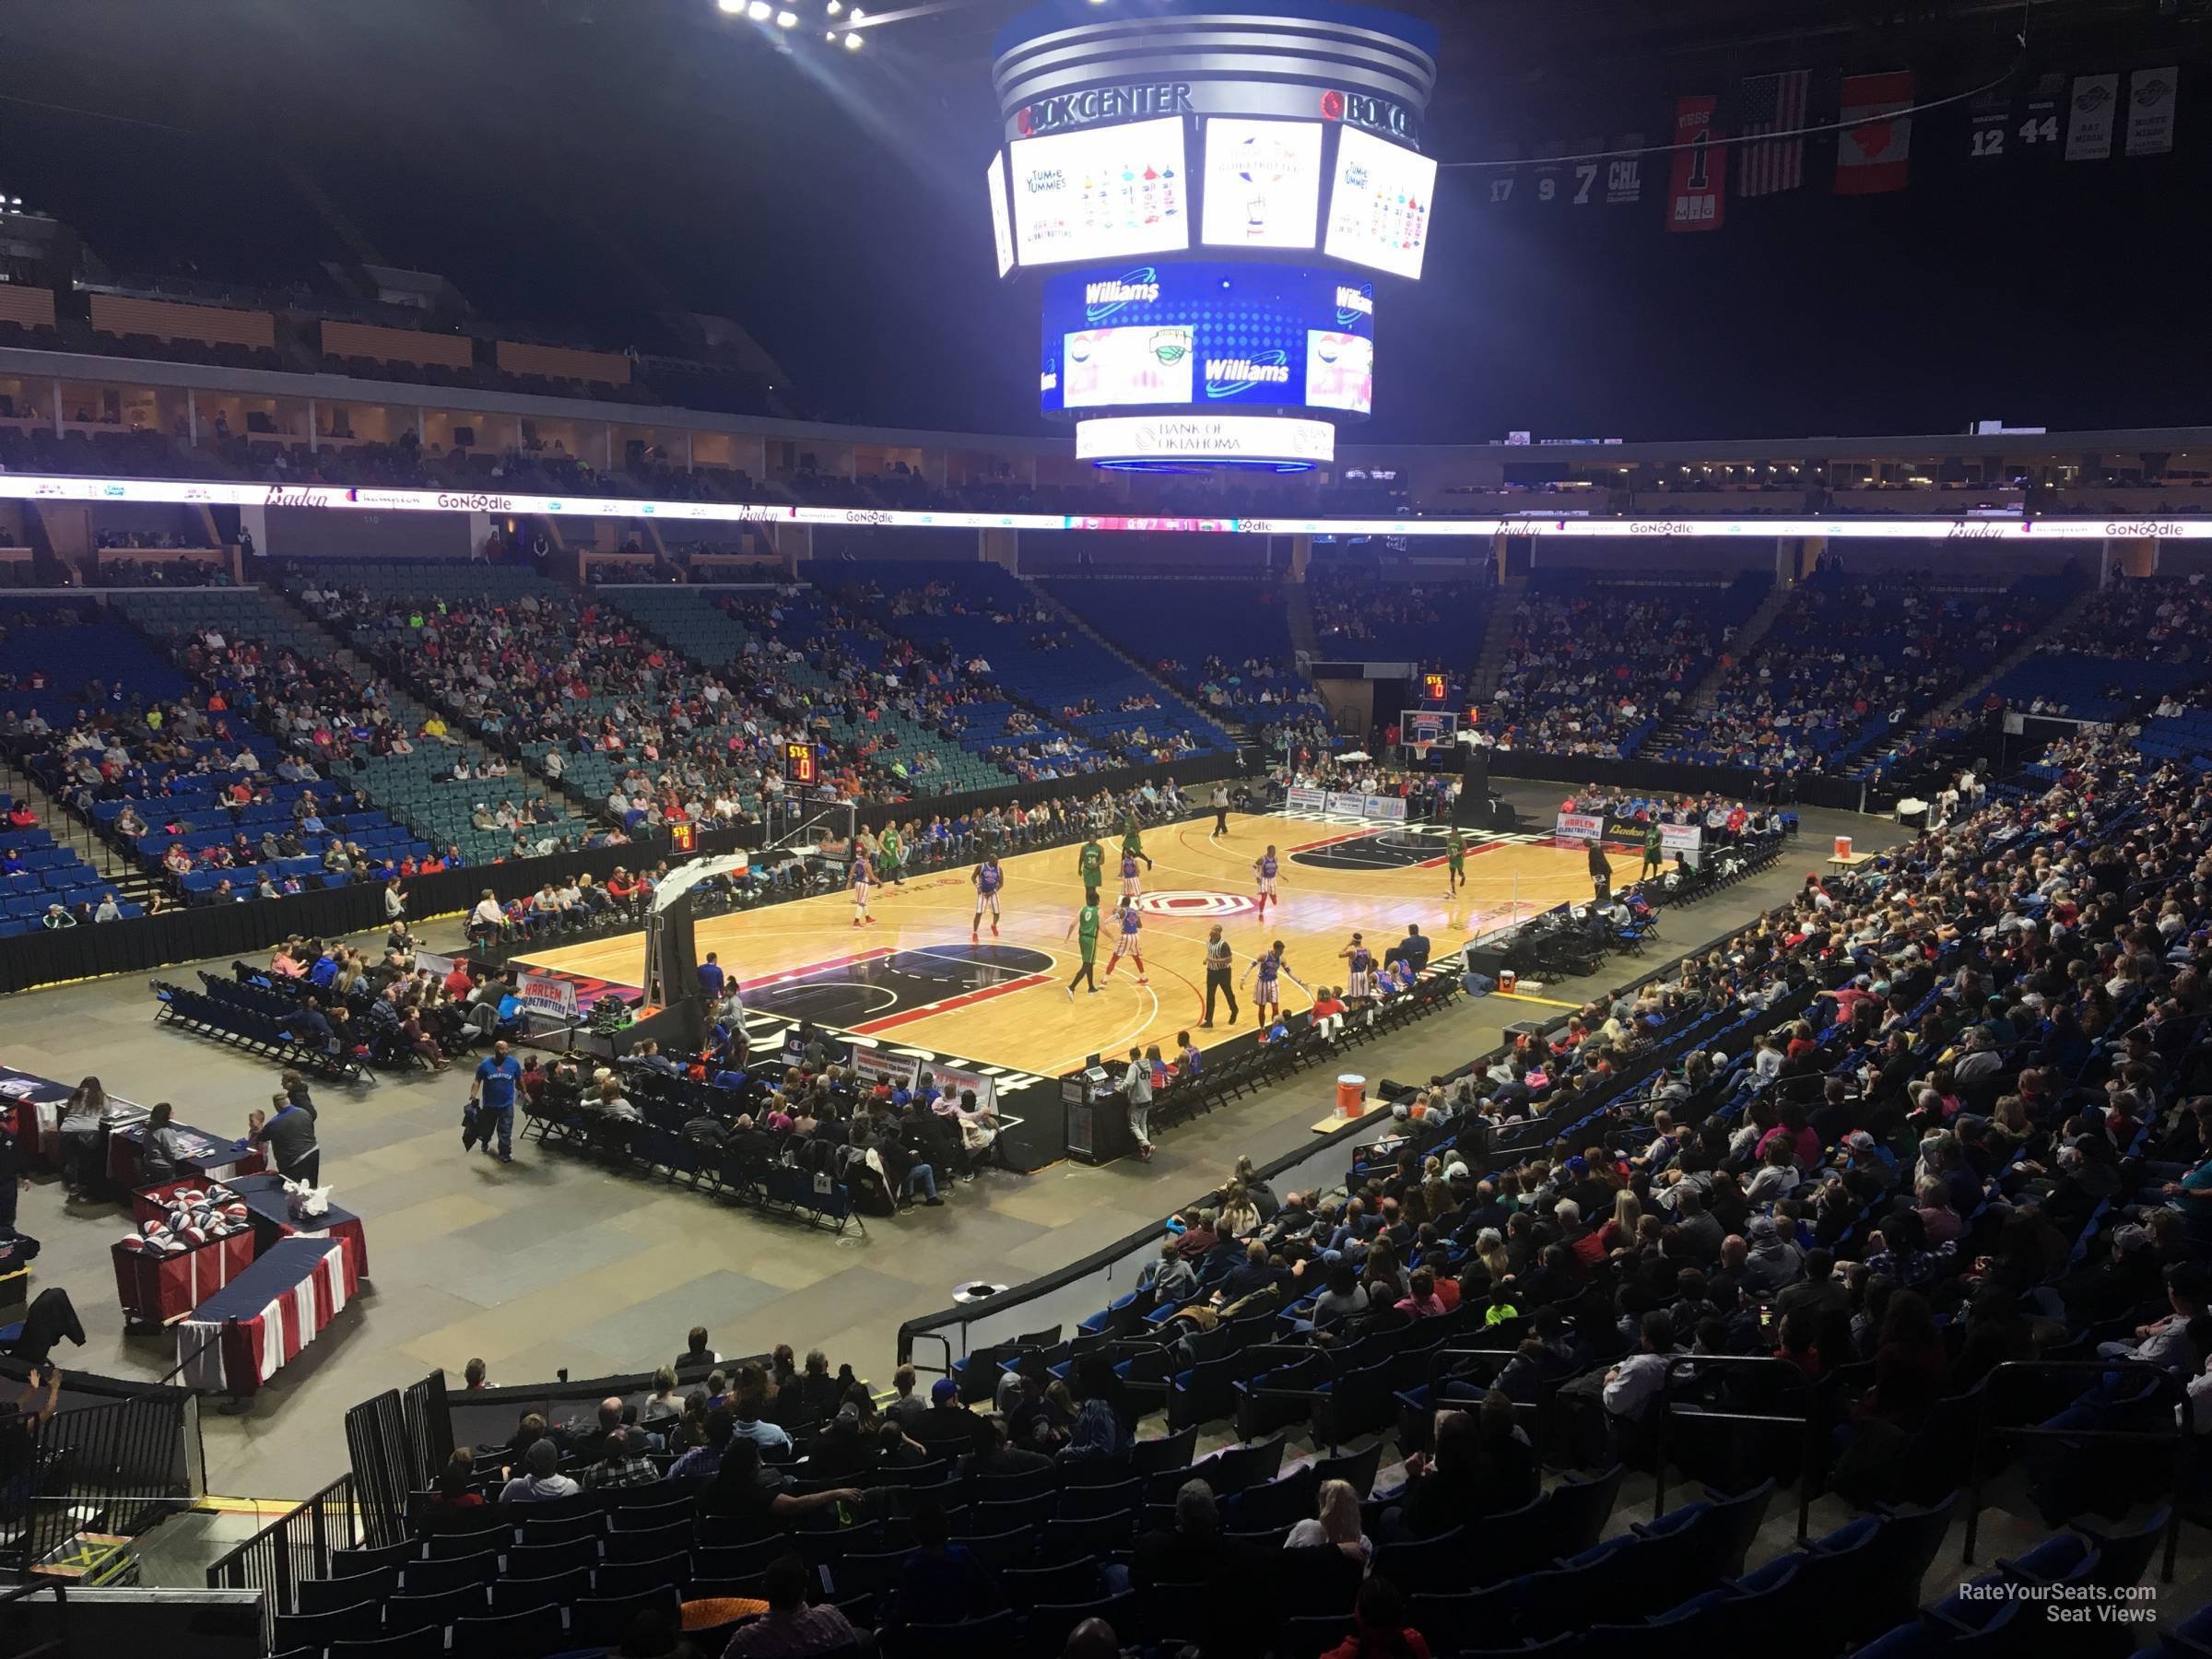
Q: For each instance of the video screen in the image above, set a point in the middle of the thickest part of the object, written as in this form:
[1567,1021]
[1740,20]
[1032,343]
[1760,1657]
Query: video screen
[1106,193]
[1206,334]
[1002,225]
[1340,372]
[1263,183]
[1380,203]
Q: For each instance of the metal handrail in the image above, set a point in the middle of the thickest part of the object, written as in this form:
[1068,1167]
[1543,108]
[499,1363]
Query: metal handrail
[59,1641]
[2172,1389]
[1810,1422]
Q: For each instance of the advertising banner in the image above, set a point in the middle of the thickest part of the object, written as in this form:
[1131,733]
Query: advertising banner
[1309,800]
[1384,807]
[986,1089]
[1681,838]
[543,993]
[874,1067]
[1579,825]
[1353,805]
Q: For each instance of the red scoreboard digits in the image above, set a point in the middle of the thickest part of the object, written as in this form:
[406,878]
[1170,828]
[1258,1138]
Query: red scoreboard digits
[798,762]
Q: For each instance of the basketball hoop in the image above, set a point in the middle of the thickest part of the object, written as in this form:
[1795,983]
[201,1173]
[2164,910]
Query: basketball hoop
[1420,753]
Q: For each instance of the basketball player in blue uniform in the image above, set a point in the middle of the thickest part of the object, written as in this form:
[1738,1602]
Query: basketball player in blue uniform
[1130,885]
[862,876]
[1266,868]
[1130,943]
[987,878]
[1360,982]
[1265,971]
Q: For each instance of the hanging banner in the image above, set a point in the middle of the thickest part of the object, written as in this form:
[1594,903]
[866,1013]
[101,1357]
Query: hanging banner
[1874,150]
[1697,191]
[2152,97]
[543,993]
[2089,117]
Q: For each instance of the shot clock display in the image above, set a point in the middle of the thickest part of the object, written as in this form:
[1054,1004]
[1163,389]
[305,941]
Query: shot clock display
[798,762]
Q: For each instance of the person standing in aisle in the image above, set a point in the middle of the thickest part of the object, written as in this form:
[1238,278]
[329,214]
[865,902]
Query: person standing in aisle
[1136,1095]
[1219,959]
[1085,927]
[490,1108]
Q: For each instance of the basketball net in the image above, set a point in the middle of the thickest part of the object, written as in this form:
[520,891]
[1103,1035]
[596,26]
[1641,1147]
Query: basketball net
[1420,753]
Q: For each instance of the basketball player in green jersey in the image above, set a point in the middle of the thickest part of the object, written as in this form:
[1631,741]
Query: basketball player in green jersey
[1091,864]
[1085,929]
[891,845]
[1455,861]
[1133,840]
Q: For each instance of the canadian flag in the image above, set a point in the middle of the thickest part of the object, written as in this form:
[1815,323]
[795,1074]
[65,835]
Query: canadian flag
[1874,150]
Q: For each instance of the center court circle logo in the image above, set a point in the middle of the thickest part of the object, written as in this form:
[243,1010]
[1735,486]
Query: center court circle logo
[1195,905]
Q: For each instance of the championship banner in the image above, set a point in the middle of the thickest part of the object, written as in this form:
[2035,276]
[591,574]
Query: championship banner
[874,1067]
[2151,96]
[1384,807]
[1697,191]
[1354,805]
[2089,117]
[1681,838]
[543,993]
[1309,800]
[1579,825]
[1874,150]
[986,1089]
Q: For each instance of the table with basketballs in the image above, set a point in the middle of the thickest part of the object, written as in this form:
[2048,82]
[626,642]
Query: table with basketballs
[193,1238]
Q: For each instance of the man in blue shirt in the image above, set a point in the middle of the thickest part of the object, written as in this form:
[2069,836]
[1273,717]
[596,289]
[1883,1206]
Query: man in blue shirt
[711,978]
[491,1103]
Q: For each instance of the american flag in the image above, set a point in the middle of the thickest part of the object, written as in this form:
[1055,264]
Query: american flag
[1773,103]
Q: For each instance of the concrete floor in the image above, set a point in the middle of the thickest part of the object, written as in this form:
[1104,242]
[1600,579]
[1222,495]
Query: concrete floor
[557,1263]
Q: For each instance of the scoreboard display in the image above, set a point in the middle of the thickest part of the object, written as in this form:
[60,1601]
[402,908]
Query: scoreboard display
[1207,335]
[1209,191]
[798,762]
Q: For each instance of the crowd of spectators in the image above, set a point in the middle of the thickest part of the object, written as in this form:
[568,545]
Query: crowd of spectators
[1591,669]
[1848,661]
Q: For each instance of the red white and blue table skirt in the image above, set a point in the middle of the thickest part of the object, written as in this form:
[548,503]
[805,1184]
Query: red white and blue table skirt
[246,1331]
[273,1219]
[156,1288]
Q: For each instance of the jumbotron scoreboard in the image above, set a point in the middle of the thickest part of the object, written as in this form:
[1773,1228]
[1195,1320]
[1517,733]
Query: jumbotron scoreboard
[1205,198]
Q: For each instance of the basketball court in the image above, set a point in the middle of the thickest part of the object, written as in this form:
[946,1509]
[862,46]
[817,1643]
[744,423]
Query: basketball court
[914,979]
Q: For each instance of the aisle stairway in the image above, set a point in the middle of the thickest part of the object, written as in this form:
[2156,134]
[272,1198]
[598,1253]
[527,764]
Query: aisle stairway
[1297,615]
[1497,637]
[1948,712]
[131,884]
[1740,645]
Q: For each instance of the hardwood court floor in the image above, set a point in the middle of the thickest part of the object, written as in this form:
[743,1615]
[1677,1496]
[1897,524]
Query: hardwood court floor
[913,977]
